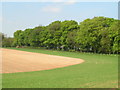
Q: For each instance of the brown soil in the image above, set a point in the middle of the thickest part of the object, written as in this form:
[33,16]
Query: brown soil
[21,61]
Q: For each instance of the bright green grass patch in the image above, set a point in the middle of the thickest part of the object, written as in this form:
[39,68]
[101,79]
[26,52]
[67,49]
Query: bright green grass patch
[98,71]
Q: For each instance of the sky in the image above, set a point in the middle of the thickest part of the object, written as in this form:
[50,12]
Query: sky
[23,15]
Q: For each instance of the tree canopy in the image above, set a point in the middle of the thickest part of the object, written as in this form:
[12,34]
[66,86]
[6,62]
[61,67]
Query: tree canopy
[99,35]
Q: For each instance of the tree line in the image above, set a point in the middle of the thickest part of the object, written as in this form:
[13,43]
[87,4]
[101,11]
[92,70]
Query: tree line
[98,35]
[6,41]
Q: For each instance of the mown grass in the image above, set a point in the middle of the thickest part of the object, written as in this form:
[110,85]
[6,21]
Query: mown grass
[98,71]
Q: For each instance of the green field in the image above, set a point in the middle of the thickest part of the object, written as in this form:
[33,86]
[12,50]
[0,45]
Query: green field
[98,71]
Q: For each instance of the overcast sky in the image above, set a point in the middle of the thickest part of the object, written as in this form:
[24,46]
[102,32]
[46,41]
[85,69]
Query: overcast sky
[22,15]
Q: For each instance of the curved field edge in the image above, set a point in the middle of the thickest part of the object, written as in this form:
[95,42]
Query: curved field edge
[98,71]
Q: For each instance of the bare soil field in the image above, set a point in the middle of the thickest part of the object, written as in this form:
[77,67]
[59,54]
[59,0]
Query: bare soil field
[20,61]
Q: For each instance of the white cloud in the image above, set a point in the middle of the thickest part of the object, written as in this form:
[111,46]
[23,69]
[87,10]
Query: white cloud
[51,9]
[70,2]
[59,1]
[58,5]
[54,0]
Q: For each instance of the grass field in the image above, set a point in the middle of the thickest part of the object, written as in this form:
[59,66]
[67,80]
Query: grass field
[98,71]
